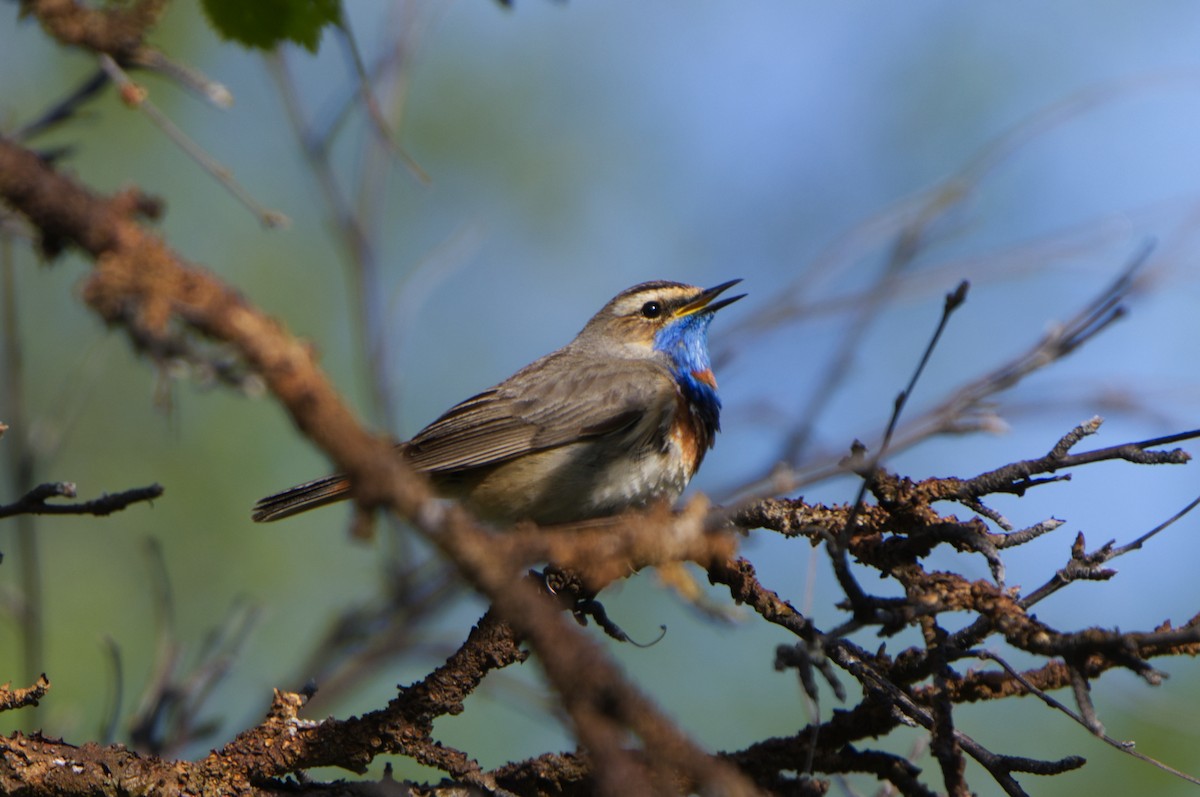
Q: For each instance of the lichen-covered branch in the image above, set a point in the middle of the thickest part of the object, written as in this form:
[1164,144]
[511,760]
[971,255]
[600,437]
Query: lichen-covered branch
[19,698]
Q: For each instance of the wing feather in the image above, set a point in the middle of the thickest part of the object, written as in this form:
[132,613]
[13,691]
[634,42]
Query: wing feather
[562,398]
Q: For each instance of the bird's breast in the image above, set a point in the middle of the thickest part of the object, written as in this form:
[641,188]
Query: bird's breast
[689,437]
[651,462]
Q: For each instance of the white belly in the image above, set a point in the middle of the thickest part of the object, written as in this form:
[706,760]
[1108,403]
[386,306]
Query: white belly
[577,482]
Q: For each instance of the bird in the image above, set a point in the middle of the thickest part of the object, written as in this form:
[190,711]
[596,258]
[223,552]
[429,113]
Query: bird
[619,418]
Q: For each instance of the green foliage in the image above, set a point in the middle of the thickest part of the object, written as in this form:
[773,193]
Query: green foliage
[265,23]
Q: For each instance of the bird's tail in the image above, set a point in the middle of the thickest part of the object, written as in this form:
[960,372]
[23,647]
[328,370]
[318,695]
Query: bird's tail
[301,498]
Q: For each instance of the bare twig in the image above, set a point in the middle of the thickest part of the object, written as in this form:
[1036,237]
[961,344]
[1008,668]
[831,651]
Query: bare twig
[838,545]
[65,109]
[1085,565]
[1017,477]
[966,410]
[1093,727]
[135,96]
[34,501]
[383,132]
[167,717]
[189,78]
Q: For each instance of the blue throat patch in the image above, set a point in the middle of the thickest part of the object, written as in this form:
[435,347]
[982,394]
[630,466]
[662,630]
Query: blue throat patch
[686,342]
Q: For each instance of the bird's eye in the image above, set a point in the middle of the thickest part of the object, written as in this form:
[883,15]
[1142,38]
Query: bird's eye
[652,309]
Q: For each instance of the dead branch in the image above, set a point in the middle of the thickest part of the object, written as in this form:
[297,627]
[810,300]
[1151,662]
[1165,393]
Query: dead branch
[19,698]
[34,501]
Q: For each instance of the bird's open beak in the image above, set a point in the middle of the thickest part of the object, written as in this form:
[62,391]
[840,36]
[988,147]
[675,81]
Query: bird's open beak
[705,300]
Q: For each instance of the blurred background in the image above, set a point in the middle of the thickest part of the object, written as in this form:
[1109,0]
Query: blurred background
[572,150]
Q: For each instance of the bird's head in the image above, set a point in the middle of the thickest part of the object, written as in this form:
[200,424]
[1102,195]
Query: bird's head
[660,318]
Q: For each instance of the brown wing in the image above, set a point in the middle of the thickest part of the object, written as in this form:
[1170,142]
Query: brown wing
[562,398]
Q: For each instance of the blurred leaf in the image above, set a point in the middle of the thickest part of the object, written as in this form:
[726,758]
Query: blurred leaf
[265,23]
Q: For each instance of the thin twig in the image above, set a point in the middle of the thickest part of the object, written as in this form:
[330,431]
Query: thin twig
[999,767]
[135,96]
[838,547]
[65,109]
[1142,540]
[1085,565]
[34,501]
[1016,477]
[966,410]
[1094,728]
[379,124]
[188,77]
[112,721]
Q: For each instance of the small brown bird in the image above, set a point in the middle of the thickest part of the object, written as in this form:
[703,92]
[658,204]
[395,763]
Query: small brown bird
[618,418]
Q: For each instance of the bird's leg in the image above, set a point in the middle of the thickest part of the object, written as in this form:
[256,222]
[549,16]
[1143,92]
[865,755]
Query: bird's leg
[568,588]
[566,585]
